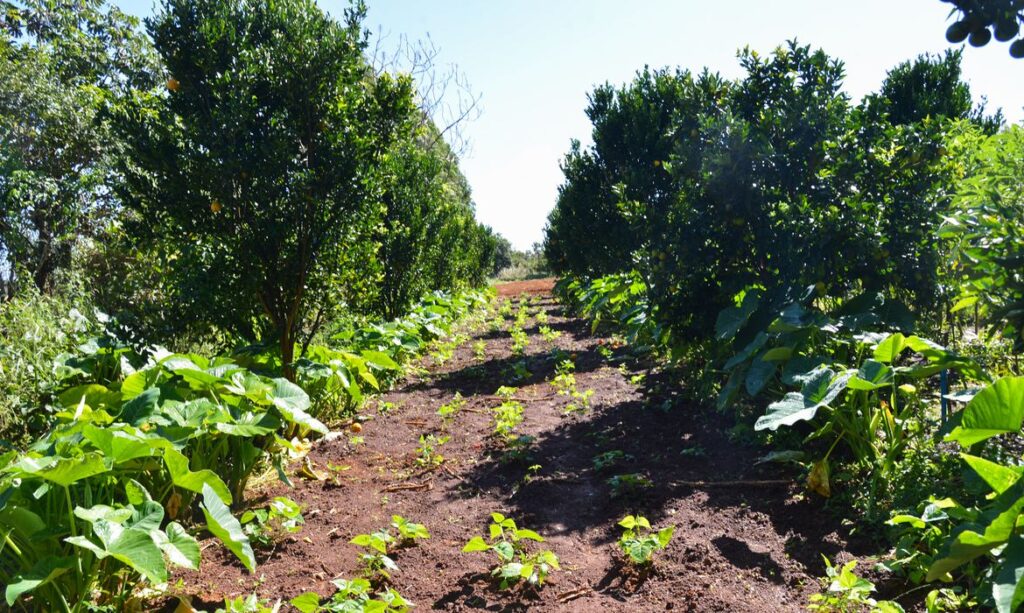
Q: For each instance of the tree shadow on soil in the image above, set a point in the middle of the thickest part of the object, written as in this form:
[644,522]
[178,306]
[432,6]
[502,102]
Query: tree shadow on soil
[673,449]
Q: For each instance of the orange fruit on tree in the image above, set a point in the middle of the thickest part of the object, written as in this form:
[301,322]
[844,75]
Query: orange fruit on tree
[215,206]
[173,84]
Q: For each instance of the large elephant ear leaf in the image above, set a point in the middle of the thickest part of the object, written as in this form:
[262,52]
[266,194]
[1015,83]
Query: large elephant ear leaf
[222,524]
[194,481]
[131,542]
[292,402]
[43,572]
[997,409]
[180,547]
[820,389]
[731,320]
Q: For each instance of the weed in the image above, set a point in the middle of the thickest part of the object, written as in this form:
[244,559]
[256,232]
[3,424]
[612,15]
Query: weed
[608,459]
[426,453]
[845,591]
[448,411]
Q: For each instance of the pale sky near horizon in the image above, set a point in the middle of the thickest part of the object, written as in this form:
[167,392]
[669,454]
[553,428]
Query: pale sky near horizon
[534,61]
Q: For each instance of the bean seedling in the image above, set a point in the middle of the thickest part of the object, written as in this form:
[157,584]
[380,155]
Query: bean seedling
[515,563]
[638,541]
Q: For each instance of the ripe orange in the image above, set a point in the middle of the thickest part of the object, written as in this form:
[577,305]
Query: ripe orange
[215,206]
[173,84]
[356,428]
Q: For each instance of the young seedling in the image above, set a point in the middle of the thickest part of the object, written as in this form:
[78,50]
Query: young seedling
[480,350]
[375,559]
[266,526]
[843,590]
[447,412]
[548,334]
[520,341]
[507,415]
[565,383]
[248,604]
[629,484]
[427,455]
[515,563]
[335,471]
[408,531]
[355,596]
[639,543]
[608,459]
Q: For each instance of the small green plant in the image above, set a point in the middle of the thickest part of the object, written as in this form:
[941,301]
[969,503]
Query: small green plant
[507,415]
[520,341]
[548,334]
[426,454]
[565,383]
[448,411]
[408,531]
[608,459]
[638,541]
[515,562]
[518,449]
[629,484]
[248,604]
[384,407]
[353,596]
[480,350]
[375,559]
[843,591]
[334,473]
[266,526]
[542,318]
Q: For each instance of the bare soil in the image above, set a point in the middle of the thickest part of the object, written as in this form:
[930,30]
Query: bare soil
[745,540]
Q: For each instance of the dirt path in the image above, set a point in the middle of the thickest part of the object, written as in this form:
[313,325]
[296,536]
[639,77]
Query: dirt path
[737,547]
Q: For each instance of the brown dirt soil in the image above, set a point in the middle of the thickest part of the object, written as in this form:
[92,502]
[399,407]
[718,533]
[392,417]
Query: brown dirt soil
[744,540]
[532,286]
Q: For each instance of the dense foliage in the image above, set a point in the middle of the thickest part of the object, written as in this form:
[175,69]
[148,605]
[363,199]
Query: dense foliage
[801,258]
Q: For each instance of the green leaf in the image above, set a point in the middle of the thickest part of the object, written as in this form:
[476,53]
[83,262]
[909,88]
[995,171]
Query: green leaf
[309,602]
[889,349]
[291,401]
[179,546]
[998,477]
[872,375]
[758,375]
[530,535]
[43,572]
[141,408]
[380,360]
[665,535]
[821,389]
[62,471]
[178,467]
[477,543]
[224,526]
[131,542]
[964,303]
[1008,586]
[731,320]
[997,409]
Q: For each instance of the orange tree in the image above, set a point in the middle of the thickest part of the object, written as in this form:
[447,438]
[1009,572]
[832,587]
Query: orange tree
[254,169]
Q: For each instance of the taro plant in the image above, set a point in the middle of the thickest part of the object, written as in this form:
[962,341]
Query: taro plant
[265,526]
[639,541]
[515,562]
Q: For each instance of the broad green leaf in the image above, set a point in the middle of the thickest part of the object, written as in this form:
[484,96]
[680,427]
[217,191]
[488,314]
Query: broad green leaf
[308,602]
[992,530]
[732,319]
[997,409]
[380,360]
[96,397]
[222,524]
[998,477]
[291,401]
[820,390]
[194,481]
[62,471]
[752,347]
[1008,586]
[758,375]
[529,535]
[665,535]
[141,408]
[120,446]
[477,543]
[889,349]
[43,572]
[131,542]
[180,547]
[964,303]
[777,354]
[872,375]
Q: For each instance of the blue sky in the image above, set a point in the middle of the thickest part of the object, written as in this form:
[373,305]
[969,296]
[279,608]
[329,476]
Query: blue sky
[533,62]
